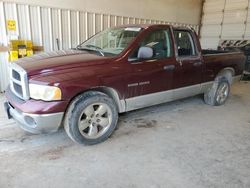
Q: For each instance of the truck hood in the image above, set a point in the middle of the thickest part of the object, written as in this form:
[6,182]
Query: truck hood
[50,62]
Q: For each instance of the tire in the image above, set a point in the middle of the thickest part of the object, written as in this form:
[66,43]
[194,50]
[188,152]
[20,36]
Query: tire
[91,118]
[219,93]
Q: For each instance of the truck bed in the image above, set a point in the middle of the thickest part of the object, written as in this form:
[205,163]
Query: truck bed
[216,60]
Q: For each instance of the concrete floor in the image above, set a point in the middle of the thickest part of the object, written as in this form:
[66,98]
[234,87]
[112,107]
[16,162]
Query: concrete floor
[180,144]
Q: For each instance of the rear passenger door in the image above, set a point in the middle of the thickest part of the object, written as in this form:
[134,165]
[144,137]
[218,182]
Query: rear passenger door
[190,66]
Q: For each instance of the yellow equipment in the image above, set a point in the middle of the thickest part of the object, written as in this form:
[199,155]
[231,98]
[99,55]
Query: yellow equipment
[19,49]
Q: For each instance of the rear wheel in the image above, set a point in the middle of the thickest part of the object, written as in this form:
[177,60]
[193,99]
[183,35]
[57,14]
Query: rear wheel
[222,93]
[218,93]
[91,118]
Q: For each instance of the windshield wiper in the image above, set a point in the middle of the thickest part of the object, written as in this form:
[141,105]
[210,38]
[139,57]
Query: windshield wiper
[89,46]
[93,46]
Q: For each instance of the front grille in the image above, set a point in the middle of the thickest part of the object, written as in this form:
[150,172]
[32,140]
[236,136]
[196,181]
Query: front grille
[19,82]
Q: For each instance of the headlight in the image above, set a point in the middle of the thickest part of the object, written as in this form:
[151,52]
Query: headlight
[46,93]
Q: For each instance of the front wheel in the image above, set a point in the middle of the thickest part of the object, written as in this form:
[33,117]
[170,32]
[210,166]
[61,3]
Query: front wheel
[91,118]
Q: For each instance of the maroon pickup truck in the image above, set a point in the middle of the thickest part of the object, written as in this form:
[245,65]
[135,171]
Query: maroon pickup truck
[117,70]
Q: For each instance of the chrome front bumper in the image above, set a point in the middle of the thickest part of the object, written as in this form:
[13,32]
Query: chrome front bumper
[35,123]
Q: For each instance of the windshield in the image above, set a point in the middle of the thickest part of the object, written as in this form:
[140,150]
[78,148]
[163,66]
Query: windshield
[110,42]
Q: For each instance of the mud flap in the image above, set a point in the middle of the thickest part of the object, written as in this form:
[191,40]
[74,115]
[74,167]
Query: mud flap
[210,94]
[7,110]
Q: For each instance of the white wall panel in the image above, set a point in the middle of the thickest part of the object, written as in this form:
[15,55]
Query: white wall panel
[82,26]
[119,20]
[74,29]
[247,30]
[213,18]
[112,21]
[147,21]
[236,4]
[238,16]
[46,28]
[90,25]
[3,31]
[233,31]
[137,21]
[65,29]
[36,26]
[55,28]
[208,42]
[214,6]
[125,20]
[24,21]
[181,11]
[248,13]
[4,71]
[211,30]
[98,22]
[10,10]
[131,21]
[232,16]
[106,21]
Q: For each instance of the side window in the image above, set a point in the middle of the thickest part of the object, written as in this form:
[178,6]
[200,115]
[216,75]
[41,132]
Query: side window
[159,41]
[185,43]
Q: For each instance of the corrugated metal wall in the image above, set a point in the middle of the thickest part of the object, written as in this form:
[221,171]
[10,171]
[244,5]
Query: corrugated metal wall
[225,19]
[45,25]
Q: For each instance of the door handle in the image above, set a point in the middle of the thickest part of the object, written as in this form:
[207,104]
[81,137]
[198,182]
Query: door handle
[169,67]
[196,64]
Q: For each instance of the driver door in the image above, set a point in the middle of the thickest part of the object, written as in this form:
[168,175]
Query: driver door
[151,76]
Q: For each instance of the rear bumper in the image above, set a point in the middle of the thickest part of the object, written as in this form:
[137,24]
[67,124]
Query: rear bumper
[35,123]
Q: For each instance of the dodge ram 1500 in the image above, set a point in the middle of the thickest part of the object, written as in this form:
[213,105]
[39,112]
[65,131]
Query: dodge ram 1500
[118,70]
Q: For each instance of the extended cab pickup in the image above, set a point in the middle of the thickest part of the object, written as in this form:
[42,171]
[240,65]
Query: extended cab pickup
[117,70]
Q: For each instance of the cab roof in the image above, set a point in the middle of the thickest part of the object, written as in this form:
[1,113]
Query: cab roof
[145,26]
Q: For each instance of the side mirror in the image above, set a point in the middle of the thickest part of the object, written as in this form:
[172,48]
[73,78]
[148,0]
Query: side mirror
[145,52]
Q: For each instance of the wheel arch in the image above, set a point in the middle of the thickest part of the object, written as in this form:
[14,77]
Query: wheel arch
[112,93]
[227,73]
